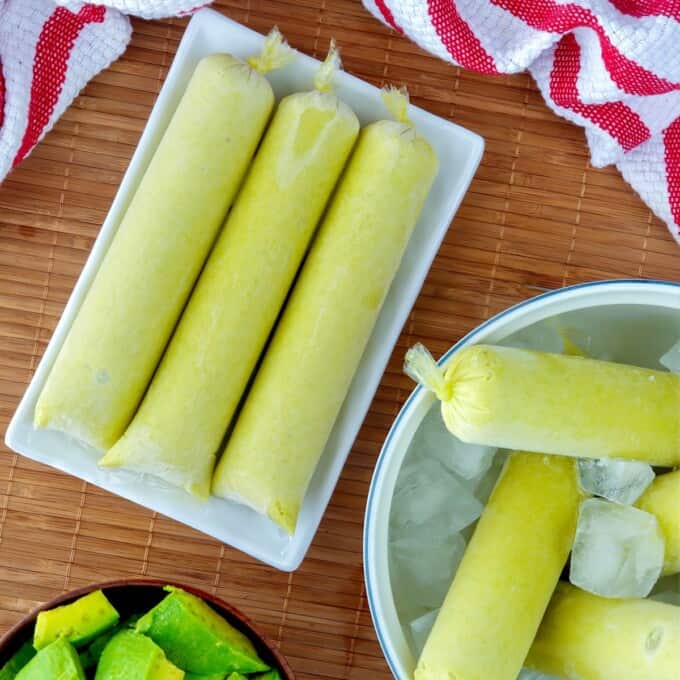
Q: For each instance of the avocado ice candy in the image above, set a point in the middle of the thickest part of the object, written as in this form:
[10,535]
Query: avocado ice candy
[508,573]
[662,499]
[184,415]
[196,638]
[129,312]
[567,405]
[587,636]
[307,370]
[58,660]
[133,656]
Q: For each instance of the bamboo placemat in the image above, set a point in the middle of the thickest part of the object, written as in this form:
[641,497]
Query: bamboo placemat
[537,217]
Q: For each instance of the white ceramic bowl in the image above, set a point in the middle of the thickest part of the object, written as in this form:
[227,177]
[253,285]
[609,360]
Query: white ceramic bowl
[459,153]
[637,321]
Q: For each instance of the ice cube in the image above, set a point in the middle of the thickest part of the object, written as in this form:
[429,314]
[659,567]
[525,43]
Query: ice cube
[671,360]
[426,491]
[618,550]
[470,461]
[667,589]
[527,674]
[542,337]
[433,439]
[420,628]
[622,481]
[423,562]
[563,335]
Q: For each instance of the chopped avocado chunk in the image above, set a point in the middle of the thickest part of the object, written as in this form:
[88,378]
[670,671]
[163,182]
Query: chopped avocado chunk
[58,661]
[90,656]
[237,676]
[196,638]
[214,676]
[131,656]
[19,659]
[78,622]
[162,669]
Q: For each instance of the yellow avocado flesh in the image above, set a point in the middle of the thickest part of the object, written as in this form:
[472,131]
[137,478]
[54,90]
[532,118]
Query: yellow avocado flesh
[182,420]
[78,622]
[508,573]
[131,307]
[135,657]
[307,370]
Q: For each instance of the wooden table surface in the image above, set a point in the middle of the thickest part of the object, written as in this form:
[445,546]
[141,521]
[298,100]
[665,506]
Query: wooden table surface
[537,217]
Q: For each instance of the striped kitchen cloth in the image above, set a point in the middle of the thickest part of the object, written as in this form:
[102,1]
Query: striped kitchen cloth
[49,49]
[611,66]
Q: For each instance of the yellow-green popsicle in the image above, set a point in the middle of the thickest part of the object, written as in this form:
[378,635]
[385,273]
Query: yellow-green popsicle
[586,637]
[568,405]
[299,389]
[126,319]
[184,415]
[662,499]
[508,573]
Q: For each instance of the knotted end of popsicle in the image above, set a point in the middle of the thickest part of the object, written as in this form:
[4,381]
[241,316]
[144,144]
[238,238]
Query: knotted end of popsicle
[397,101]
[323,80]
[275,53]
[421,367]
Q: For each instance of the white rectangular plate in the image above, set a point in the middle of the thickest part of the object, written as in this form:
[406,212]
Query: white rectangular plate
[459,154]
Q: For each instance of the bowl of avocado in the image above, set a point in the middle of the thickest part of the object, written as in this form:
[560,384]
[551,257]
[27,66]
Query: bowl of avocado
[139,629]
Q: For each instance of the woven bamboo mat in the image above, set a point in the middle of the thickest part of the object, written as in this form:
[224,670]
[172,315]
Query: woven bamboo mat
[537,217]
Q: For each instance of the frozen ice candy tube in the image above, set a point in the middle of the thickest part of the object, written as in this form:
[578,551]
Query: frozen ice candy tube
[306,372]
[568,405]
[508,573]
[181,422]
[586,636]
[662,499]
[126,319]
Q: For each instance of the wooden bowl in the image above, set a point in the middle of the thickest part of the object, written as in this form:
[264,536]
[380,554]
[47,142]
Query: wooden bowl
[132,595]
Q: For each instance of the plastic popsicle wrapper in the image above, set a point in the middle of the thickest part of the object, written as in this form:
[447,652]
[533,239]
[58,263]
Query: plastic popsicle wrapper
[587,636]
[567,405]
[316,348]
[184,415]
[508,573]
[128,315]
[662,499]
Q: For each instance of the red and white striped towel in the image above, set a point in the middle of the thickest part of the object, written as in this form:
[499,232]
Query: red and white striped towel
[611,66]
[49,49]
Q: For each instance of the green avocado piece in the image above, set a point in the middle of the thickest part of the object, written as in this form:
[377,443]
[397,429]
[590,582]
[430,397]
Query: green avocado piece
[19,659]
[78,622]
[237,676]
[90,656]
[58,661]
[273,674]
[196,638]
[131,656]
[213,676]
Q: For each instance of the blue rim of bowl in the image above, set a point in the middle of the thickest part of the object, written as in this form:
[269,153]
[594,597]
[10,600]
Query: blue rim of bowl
[407,404]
